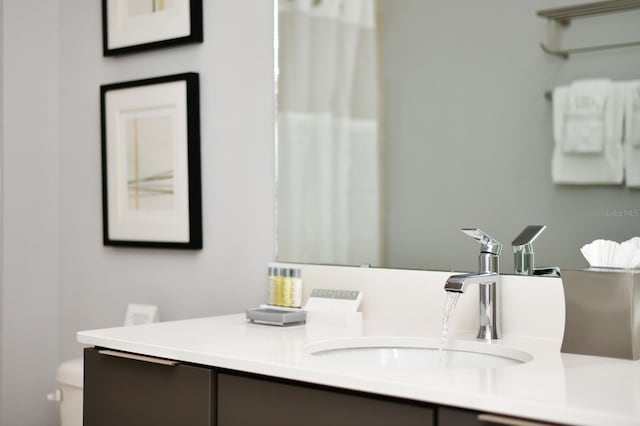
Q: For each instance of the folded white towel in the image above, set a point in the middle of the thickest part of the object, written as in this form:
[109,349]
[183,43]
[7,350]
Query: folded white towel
[578,167]
[631,94]
[632,165]
[584,116]
[632,114]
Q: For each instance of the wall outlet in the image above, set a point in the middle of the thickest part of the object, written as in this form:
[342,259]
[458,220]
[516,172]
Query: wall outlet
[141,314]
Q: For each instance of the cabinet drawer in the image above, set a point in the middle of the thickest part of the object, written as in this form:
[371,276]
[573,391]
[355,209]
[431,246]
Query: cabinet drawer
[123,391]
[457,417]
[248,401]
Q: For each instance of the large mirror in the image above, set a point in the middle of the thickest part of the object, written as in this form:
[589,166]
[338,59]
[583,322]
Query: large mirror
[402,121]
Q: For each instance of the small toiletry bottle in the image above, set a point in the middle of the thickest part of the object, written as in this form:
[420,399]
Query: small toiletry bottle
[271,286]
[297,288]
[287,288]
[277,292]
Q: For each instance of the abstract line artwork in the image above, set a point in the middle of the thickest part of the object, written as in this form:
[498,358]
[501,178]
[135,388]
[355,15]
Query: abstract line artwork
[151,163]
[147,7]
[130,26]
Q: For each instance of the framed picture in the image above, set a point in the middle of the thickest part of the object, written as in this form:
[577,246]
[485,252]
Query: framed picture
[151,194]
[134,25]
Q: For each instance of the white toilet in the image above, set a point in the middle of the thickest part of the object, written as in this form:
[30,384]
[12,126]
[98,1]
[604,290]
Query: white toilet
[70,374]
[69,393]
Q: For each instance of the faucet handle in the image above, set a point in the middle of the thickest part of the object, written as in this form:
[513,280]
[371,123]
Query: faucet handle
[523,256]
[489,244]
[527,236]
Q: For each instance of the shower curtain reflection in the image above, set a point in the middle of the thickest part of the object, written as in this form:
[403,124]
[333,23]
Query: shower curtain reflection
[329,191]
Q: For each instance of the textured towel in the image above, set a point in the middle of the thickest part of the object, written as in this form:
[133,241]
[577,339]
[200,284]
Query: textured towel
[632,113]
[580,168]
[631,93]
[584,116]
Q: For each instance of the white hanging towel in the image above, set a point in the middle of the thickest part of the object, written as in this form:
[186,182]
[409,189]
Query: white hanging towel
[584,116]
[632,113]
[576,160]
[632,133]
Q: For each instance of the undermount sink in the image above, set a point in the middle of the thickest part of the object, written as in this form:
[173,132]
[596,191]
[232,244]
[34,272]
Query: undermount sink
[416,353]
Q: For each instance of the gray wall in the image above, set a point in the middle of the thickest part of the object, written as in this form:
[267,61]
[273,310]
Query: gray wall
[30,311]
[58,277]
[1,193]
[235,65]
[470,145]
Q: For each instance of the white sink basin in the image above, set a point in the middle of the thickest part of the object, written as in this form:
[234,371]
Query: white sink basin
[417,353]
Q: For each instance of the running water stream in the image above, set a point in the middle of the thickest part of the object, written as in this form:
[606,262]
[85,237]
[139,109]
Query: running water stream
[447,312]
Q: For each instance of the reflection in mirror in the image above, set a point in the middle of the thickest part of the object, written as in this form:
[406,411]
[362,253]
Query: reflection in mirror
[329,182]
[402,121]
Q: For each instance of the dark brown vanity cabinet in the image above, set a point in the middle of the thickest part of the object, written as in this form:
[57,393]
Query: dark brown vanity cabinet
[251,401]
[456,417]
[125,390]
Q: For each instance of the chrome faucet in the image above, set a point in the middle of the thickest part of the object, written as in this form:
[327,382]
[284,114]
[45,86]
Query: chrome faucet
[487,279]
[523,256]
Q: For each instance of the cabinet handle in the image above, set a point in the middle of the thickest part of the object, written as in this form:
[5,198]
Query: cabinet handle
[136,357]
[508,421]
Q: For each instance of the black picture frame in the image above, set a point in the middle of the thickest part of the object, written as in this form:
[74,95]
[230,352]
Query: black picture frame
[145,31]
[150,137]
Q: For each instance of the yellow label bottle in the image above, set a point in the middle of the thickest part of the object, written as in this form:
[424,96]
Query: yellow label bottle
[277,281]
[287,288]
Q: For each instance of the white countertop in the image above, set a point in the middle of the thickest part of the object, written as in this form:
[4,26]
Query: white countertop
[555,387]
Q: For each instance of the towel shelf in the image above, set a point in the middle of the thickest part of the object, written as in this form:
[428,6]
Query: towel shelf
[561,17]
[566,52]
[566,14]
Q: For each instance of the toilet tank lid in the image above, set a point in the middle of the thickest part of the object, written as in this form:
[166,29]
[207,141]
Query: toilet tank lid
[71,373]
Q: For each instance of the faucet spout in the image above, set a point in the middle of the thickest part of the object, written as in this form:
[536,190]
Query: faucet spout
[460,283]
[489,312]
[487,279]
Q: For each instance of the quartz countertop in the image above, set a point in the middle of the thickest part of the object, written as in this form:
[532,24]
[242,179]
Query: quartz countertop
[553,387]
